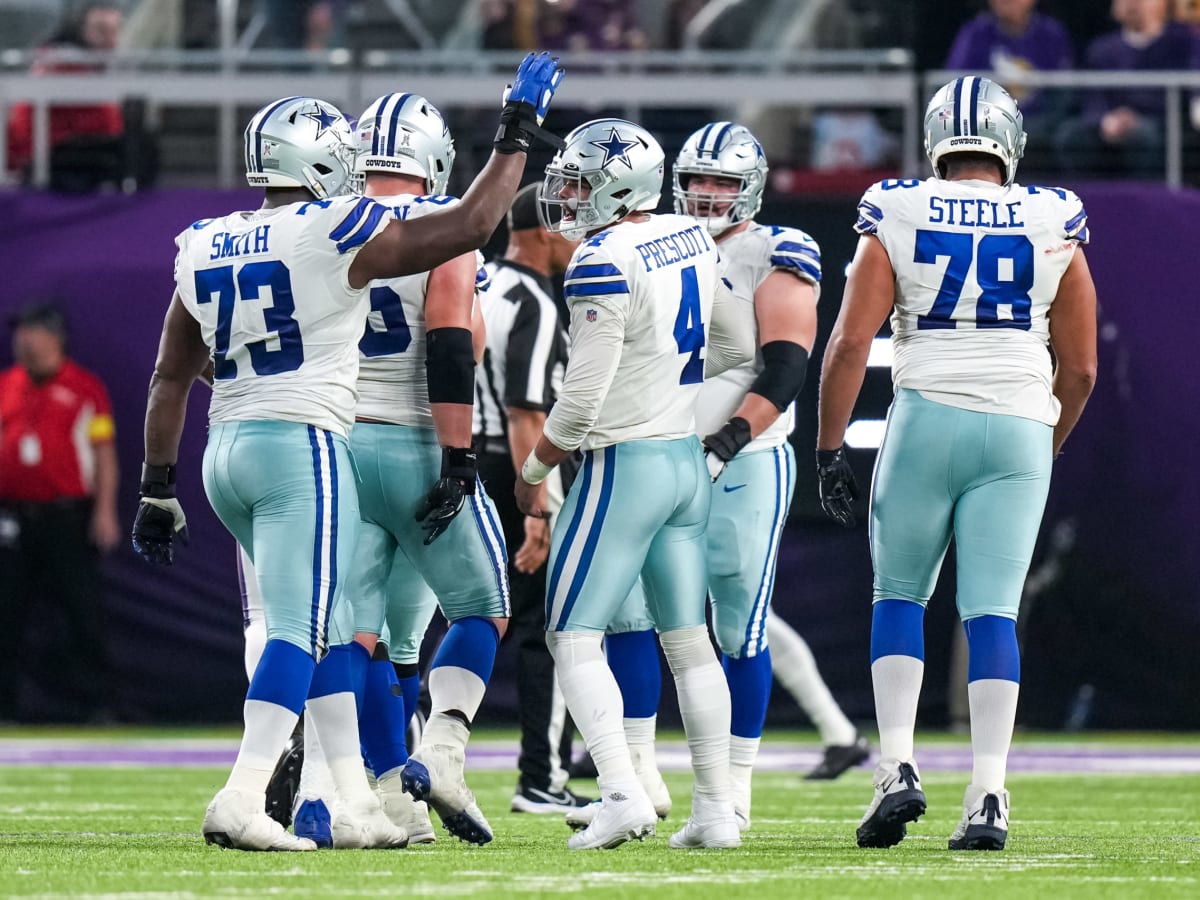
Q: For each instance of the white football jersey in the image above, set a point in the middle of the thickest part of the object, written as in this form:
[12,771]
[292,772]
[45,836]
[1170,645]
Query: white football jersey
[977,267]
[391,379]
[747,258]
[640,295]
[270,291]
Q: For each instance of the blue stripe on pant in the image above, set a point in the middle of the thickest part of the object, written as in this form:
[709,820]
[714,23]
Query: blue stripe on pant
[749,510]
[277,487]
[639,507]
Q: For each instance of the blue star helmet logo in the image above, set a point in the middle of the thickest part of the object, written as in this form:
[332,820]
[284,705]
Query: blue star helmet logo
[614,148]
[324,119]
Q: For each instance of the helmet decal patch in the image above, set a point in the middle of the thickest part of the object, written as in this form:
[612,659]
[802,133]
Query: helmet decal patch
[615,148]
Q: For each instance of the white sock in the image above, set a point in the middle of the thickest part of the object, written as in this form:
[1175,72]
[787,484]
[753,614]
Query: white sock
[256,642]
[743,751]
[335,719]
[993,713]
[794,667]
[315,781]
[267,729]
[704,706]
[453,688]
[639,734]
[596,707]
[445,730]
[897,682]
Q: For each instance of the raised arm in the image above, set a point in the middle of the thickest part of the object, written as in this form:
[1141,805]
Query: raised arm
[407,247]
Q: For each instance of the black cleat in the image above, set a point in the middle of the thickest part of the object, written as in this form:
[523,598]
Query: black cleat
[984,824]
[838,758]
[285,780]
[534,800]
[898,801]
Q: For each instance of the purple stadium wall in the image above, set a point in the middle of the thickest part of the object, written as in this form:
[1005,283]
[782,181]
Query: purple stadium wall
[1123,617]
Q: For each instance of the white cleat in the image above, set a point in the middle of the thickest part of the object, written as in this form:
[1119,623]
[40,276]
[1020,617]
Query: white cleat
[435,773]
[713,825]
[237,820]
[741,803]
[409,814]
[654,786]
[619,818]
[984,825]
[652,781]
[365,827]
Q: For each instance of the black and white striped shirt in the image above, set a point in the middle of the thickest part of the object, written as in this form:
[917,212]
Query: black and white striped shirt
[526,348]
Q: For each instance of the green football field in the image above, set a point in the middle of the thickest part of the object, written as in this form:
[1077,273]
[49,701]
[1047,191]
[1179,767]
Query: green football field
[130,830]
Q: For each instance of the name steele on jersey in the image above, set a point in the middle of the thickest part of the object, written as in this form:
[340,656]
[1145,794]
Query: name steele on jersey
[975,212]
[673,248]
[225,245]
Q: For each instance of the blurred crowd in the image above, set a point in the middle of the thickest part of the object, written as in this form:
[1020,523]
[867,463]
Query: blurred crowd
[1111,132]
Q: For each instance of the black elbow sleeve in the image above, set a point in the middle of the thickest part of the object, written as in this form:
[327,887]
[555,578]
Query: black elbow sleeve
[782,377]
[450,365]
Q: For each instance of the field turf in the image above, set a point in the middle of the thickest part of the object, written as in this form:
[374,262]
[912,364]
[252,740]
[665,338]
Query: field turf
[128,831]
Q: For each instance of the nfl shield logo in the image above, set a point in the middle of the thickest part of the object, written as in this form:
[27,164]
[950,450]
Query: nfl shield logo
[591,315]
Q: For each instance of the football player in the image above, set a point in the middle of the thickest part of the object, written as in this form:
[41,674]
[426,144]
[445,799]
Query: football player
[277,298]
[982,277]
[744,416]
[648,308]
[416,392]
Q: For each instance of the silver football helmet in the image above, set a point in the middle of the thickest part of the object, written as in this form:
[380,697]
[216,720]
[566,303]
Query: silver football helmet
[300,142]
[729,151]
[608,169]
[405,134]
[974,115]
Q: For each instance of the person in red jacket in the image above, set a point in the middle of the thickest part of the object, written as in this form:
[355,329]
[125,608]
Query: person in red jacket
[94,126]
[58,488]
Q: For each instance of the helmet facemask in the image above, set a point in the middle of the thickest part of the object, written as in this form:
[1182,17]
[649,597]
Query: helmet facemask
[720,150]
[608,169]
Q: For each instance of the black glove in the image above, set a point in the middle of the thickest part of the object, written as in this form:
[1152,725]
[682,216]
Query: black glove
[722,446]
[439,507]
[838,488]
[159,517]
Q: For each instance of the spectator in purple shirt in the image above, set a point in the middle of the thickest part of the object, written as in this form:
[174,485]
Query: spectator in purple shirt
[1012,38]
[1121,129]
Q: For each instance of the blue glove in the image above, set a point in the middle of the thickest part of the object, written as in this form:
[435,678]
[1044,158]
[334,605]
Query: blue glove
[838,488]
[526,102]
[445,499]
[159,518]
[535,82]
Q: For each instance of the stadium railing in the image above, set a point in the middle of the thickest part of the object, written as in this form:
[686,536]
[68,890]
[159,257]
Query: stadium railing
[226,81]
[1177,85]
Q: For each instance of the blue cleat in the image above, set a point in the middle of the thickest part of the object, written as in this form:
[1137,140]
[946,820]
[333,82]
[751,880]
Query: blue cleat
[312,821]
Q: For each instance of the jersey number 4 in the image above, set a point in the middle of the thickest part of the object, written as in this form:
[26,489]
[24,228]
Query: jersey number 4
[246,285]
[1003,270]
[689,328]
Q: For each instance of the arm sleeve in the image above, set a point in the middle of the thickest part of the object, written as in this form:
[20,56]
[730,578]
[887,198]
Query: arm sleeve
[1075,228]
[870,211]
[597,335]
[795,252]
[733,334]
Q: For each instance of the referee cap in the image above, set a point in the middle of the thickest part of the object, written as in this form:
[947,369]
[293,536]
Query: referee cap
[522,215]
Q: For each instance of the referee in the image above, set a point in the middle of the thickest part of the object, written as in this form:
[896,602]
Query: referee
[522,367]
